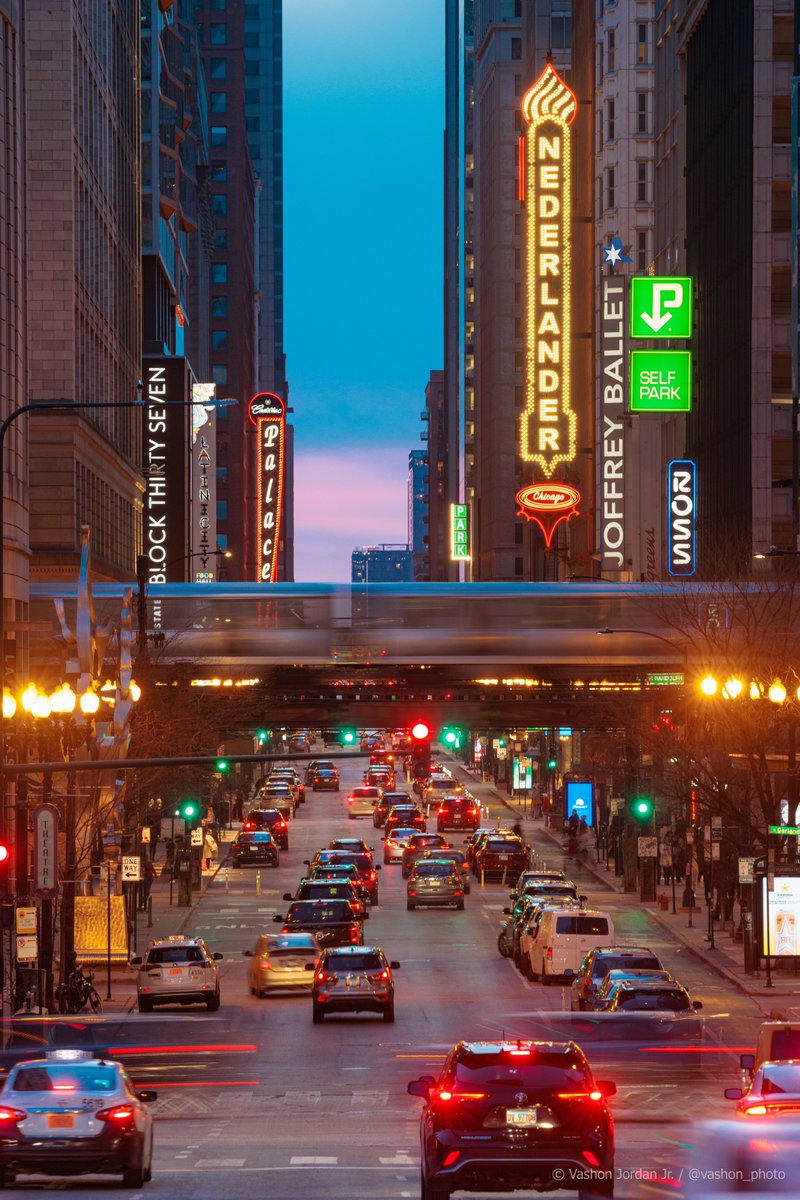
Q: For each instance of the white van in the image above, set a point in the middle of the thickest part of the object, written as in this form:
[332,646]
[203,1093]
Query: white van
[563,937]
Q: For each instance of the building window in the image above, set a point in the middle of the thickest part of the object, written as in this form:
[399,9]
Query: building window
[219,5]
[642,113]
[600,60]
[517,566]
[219,306]
[219,339]
[641,250]
[611,51]
[220,239]
[218,68]
[598,196]
[219,136]
[219,102]
[642,187]
[516,48]
[252,95]
[219,172]
[219,205]
[560,31]
[611,187]
[222,538]
[219,33]
[611,120]
[518,8]
[517,85]
[252,41]
[219,272]
[222,510]
[253,124]
[222,475]
[642,47]
[252,67]
[219,373]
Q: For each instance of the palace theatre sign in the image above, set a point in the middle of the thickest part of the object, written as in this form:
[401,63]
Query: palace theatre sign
[268,414]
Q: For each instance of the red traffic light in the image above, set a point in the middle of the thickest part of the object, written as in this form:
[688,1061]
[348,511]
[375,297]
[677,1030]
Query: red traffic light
[420,731]
[4,853]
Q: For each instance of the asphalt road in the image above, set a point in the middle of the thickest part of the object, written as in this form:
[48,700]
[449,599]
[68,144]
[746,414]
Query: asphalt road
[260,1102]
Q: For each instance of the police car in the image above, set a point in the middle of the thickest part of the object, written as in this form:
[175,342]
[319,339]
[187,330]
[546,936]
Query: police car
[71,1113]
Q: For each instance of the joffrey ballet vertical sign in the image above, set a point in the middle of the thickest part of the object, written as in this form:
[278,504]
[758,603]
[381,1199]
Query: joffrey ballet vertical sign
[268,414]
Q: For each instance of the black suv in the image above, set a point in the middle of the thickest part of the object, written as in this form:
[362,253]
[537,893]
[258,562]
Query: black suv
[515,1115]
[271,819]
[457,812]
[254,848]
[598,962]
[387,802]
[333,922]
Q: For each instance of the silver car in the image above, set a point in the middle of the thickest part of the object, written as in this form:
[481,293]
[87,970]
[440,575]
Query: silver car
[395,844]
[177,970]
[437,882]
[282,962]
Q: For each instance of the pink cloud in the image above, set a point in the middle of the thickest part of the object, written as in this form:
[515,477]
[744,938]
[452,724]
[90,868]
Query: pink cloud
[348,498]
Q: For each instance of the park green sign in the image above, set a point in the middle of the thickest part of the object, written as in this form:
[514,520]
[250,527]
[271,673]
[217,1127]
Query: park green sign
[660,381]
[661,306]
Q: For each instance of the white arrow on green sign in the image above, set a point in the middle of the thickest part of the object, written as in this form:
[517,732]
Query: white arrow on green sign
[661,306]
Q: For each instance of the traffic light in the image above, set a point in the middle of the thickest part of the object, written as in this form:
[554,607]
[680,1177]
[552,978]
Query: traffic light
[420,750]
[262,736]
[223,766]
[348,737]
[189,810]
[552,762]
[642,809]
[452,736]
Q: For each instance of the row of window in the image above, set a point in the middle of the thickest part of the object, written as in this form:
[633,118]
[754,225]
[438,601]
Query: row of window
[643,189]
[607,49]
[218,36]
[641,120]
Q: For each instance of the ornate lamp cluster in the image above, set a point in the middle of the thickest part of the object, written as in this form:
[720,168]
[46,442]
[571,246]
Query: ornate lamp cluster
[63,701]
[733,687]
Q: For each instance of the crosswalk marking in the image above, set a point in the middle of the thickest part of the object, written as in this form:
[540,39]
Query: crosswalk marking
[370,1099]
[301,1160]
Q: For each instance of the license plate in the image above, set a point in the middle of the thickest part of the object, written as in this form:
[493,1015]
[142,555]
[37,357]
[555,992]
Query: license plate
[254,850]
[502,858]
[353,981]
[435,883]
[60,1121]
[176,970]
[522,1116]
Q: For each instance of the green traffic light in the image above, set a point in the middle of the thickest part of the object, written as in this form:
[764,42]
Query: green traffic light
[188,810]
[450,737]
[348,737]
[552,763]
[262,735]
[642,809]
[222,765]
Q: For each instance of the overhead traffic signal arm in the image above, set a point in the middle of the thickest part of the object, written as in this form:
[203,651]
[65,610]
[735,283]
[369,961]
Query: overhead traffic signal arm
[420,750]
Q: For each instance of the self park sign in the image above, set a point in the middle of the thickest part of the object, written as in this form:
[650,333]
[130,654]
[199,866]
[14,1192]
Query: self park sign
[660,381]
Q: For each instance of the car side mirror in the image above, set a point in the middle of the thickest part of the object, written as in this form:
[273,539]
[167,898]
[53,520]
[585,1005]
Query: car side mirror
[607,1087]
[733,1093]
[217,957]
[506,912]
[421,1087]
[697,1005]
[583,900]
[278,919]
[288,896]
[747,1062]
[249,953]
[378,867]
[147,1097]
[311,966]
[136,961]
[395,966]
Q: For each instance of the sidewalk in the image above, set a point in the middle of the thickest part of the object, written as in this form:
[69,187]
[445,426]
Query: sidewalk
[727,957]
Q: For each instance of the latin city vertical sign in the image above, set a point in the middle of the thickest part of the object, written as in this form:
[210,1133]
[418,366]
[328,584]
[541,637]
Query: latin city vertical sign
[268,413]
[548,429]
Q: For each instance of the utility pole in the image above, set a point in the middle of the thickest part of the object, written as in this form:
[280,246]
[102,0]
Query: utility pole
[795,295]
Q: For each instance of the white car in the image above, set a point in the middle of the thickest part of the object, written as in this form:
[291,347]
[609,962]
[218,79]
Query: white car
[562,938]
[71,1113]
[395,844]
[361,801]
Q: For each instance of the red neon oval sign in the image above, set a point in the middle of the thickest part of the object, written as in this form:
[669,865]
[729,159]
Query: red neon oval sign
[548,504]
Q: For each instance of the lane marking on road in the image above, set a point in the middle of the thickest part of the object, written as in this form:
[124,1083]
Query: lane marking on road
[399,1160]
[370,1099]
[219,1162]
[302,1160]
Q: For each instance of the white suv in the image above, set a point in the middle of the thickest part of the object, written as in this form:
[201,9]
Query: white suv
[177,970]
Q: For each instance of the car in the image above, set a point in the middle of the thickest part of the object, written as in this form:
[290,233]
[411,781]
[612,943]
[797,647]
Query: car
[561,939]
[553,889]
[281,796]
[455,856]
[651,995]
[325,779]
[727,1161]
[69,1113]
[299,743]
[353,980]
[435,882]
[478,837]
[404,816]
[502,856]
[777,1040]
[360,801]
[382,758]
[349,872]
[625,975]
[418,843]
[774,1091]
[387,802]
[457,812]
[280,962]
[539,875]
[437,786]
[353,845]
[333,922]
[292,777]
[395,844]
[270,819]
[599,961]
[515,1115]
[372,741]
[318,764]
[364,864]
[525,926]
[334,888]
[254,848]
[177,970]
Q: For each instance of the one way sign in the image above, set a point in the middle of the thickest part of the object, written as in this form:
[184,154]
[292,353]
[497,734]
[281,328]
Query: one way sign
[661,306]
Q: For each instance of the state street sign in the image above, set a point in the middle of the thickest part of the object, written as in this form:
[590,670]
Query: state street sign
[660,381]
[661,306]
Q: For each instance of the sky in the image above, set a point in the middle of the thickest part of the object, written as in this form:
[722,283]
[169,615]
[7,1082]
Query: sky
[363,129]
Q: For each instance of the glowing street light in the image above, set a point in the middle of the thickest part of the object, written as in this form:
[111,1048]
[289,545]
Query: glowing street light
[777,692]
[708,685]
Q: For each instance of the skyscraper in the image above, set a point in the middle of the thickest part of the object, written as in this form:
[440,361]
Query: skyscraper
[418,514]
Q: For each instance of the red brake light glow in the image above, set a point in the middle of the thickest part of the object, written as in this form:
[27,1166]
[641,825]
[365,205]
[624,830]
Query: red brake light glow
[120,1113]
[451,1158]
[756,1110]
[12,1114]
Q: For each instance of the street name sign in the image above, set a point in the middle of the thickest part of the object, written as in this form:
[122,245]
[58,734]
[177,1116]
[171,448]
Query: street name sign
[660,381]
[785,830]
[661,306]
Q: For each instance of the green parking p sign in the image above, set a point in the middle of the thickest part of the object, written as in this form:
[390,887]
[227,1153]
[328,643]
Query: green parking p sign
[661,306]
[660,381]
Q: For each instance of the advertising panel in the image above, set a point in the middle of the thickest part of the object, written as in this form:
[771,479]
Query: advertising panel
[612,422]
[164,440]
[268,414]
[780,916]
[580,799]
[203,451]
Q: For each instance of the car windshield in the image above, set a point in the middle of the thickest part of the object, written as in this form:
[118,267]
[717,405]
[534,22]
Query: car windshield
[434,868]
[595,926]
[360,861]
[454,856]
[65,1077]
[602,964]
[175,954]
[289,952]
[259,836]
[539,1070]
[785,1043]
[325,891]
[401,812]
[268,816]
[310,913]
[369,961]
[780,1077]
[402,835]
[666,1000]
[496,846]
[396,798]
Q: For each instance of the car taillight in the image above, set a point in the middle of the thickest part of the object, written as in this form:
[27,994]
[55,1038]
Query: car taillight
[549,951]
[354,934]
[447,1096]
[350,799]
[452,1157]
[372,876]
[580,1095]
[473,812]
[121,1114]
[265,965]
[280,824]
[441,812]
[249,825]
[383,976]
[325,977]
[12,1114]
[591,1159]
[411,892]
[756,1110]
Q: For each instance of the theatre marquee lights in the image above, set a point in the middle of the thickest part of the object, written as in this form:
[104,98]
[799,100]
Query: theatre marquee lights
[268,413]
[549,427]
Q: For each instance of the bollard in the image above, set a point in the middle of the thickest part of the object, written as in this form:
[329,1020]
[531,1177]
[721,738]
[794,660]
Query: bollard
[225,874]
[482,878]
[149,912]
[503,881]
[258,883]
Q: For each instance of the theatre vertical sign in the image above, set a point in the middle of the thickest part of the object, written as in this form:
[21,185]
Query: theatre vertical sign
[612,422]
[268,414]
[164,441]
[203,451]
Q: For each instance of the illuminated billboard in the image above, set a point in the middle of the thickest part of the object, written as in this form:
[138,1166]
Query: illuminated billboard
[268,413]
[780,916]
[548,428]
[165,433]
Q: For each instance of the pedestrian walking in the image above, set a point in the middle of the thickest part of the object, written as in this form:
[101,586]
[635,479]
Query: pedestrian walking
[147,881]
[665,856]
[209,850]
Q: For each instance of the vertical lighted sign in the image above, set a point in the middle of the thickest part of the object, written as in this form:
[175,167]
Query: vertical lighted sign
[682,516]
[203,450]
[268,414]
[459,532]
[548,429]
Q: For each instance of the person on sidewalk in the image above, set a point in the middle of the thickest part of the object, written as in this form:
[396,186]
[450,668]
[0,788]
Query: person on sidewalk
[147,881]
[209,850]
[665,857]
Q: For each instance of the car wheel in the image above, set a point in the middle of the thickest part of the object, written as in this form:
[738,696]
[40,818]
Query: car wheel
[317,1013]
[410,905]
[148,1171]
[351,817]
[373,903]
[434,1191]
[459,905]
[212,1003]
[133,1173]
[405,872]
[388,1014]
[145,1006]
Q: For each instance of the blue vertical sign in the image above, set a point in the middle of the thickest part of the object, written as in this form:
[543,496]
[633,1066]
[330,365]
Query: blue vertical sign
[682,517]
[580,799]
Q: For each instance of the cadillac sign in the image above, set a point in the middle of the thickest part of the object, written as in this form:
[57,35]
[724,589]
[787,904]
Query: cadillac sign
[548,504]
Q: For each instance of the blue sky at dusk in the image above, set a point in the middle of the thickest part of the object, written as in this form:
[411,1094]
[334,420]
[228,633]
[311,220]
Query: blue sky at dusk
[363,125]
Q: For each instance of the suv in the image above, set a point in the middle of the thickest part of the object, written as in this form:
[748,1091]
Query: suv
[271,819]
[325,779]
[598,962]
[329,889]
[364,864]
[435,881]
[280,795]
[333,922]
[512,1116]
[437,786]
[388,801]
[353,979]
[502,855]
[404,816]
[319,764]
[254,847]
[292,777]
[177,970]
[417,845]
[457,812]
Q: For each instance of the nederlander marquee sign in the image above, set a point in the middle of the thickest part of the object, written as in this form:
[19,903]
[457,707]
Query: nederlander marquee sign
[268,414]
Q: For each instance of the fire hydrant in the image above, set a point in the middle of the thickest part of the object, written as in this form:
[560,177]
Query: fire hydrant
[663,901]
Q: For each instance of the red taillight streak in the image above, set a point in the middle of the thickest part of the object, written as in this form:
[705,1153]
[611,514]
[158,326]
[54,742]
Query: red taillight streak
[12,1114]
[580,1096]
[452,1157]
[124,1051]
[63,1087]
[212,1083]
[462,1095]
[120,1112]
